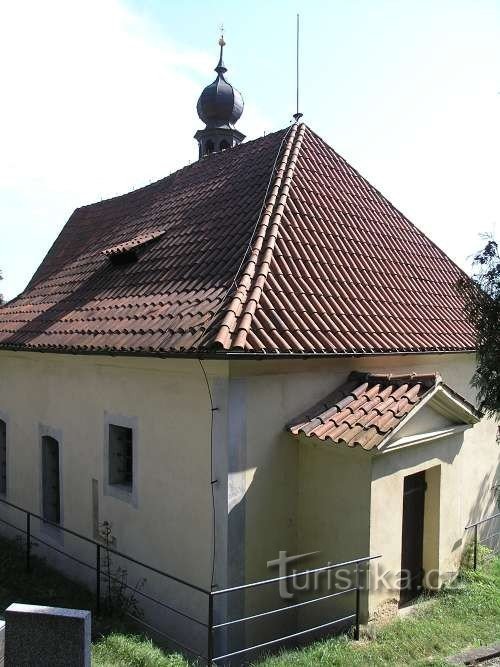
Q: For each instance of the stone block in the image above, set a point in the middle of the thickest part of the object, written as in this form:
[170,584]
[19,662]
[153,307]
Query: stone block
[37,636]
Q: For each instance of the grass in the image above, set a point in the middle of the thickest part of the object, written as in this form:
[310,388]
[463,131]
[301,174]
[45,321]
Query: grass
[118,650]
[42,585]
[458,618]
[114,645]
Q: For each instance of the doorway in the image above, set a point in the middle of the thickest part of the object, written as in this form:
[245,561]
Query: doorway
[412,539]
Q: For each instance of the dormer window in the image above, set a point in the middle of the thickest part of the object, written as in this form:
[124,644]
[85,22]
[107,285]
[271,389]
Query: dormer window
[126,253]
[123,258]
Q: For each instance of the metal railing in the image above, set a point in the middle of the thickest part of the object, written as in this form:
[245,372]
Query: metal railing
[209,625]
[354,616]
[485,539]
[100,550]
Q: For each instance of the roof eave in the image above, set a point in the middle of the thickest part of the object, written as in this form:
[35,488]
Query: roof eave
[440,398]
[227,354]
[422,438]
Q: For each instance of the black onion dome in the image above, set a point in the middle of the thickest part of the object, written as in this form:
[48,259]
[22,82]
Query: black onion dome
[220,104]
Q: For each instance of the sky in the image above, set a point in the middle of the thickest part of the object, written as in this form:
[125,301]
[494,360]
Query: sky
[99,97]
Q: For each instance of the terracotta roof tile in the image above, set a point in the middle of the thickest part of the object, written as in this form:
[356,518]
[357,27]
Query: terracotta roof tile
[275,246]
[365,409]
[190,231]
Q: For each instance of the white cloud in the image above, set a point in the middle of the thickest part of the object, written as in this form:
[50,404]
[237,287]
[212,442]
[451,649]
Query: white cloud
[95,103]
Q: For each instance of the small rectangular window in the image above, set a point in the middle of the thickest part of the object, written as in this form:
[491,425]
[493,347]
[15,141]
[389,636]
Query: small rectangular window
[51,487]
[3,457]
[120,456]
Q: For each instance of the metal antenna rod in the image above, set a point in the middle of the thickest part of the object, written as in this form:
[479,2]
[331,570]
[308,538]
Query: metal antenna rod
[298,72]
[297,115]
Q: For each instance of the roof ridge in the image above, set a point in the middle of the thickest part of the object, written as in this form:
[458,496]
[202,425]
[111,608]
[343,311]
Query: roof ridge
[173,174]
[234,328]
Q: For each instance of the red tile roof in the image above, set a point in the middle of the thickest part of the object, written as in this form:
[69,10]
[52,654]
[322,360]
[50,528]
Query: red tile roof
[275,246]
[365,410]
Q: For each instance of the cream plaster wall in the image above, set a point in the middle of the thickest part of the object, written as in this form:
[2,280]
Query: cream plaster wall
[333,518]
[272,493]
[170,524]
[334,497]
[301,499]
[424,421]
[432,526]
[468,465]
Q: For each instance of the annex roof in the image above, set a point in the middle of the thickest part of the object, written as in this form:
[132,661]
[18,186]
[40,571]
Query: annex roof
[367,409]
[275,246]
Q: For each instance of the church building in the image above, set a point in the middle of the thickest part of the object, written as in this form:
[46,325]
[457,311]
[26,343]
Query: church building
[256,354]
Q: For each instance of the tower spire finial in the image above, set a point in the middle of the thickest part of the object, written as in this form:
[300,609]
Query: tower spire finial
[220,106]
[220,69]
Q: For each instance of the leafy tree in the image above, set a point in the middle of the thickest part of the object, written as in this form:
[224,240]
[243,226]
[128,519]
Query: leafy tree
[482,297]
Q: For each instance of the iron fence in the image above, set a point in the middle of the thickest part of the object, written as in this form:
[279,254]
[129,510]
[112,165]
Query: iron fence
[353,618]
[210,628]
[489,539]
[100,551]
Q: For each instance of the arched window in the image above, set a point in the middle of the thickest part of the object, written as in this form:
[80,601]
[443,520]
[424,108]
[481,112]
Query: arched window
[3,457]
[209,147]
[51,485]
[223,145]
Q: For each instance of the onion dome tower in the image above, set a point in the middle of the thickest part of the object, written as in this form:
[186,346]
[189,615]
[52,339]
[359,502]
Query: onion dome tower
[219,107]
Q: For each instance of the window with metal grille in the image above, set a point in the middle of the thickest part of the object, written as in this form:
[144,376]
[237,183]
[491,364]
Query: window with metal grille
[51,486]
[3,457]
[120,456]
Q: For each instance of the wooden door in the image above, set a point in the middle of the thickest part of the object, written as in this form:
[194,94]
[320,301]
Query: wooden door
[412,542]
